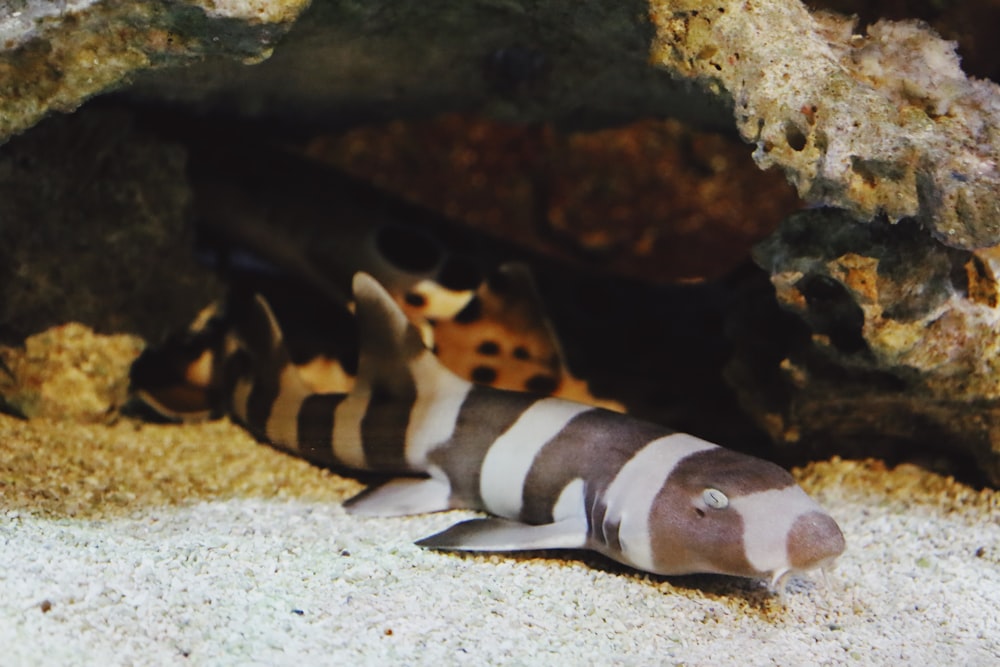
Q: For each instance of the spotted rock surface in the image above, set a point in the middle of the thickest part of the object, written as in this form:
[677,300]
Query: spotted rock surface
[884,122]
[885,342]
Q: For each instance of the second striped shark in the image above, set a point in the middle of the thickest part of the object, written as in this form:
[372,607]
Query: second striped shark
[552,473]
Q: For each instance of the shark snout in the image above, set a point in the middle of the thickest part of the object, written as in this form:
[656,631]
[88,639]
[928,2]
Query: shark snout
[814,540]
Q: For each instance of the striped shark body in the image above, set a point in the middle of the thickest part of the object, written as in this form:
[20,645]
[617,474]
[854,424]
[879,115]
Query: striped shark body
[554,474]
[490,327]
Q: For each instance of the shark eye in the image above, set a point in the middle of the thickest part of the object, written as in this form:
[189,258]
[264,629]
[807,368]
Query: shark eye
[715,499]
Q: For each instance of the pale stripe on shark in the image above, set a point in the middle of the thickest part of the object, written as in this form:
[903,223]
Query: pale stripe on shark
[630,496]
[571,502]
[282,425]
[763,529]
[506,465]
[435,413]
[348,447]
[240,401]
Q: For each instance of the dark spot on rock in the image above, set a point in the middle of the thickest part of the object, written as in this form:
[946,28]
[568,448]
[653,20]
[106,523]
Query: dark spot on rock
[521,352]
[795,137]
[408,249]
[415,300]
[541,384]
[472,312]
[513,69]
[45,606]
[488,348]
[484,375]
[834,313]
[872,172]
[980,552]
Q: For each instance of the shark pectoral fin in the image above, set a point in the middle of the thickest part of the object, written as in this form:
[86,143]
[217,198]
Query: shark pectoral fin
[505,535]
[402,497]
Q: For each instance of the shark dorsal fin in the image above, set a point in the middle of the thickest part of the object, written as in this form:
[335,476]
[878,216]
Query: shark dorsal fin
[390,344]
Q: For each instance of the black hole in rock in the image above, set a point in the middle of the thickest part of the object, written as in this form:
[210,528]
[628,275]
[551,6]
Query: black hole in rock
[833,313]
[795,137]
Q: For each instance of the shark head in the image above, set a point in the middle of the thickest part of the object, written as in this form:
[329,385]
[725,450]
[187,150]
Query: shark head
[725,512]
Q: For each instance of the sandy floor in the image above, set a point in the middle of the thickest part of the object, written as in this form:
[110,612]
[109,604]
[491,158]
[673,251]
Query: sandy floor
[142,544]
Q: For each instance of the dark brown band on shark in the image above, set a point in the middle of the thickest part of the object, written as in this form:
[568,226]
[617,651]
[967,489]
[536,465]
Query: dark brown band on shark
[735,474]
[315,427]
[268,357]
[384,426]
[595,444]
[264,393]
[484,416]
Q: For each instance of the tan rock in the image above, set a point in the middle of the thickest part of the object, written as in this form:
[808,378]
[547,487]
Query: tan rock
[880,123]
[56,55]
[68,373]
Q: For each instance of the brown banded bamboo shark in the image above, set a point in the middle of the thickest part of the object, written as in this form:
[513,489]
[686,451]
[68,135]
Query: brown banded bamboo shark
[491,327]
[555,474]
[266,219]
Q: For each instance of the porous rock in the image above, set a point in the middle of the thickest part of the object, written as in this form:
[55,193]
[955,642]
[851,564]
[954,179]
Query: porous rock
[881,123]
[68,373]
[885,343]
[56,55]
[884,122]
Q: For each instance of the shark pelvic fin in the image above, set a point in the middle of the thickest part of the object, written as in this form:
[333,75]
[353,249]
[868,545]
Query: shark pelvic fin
[401,497]
[494,534]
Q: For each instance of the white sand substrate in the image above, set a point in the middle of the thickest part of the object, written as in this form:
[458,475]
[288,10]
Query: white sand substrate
[256,581]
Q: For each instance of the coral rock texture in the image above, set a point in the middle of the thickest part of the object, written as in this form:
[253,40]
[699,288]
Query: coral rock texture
[882,123]
[892,345]
[68,373]
[55,55]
